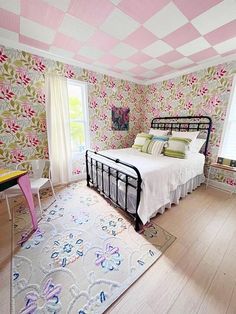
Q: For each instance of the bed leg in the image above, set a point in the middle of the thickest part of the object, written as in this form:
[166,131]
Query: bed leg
[138,223]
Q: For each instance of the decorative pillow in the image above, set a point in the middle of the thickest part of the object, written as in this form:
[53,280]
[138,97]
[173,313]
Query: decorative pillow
[164,138]
[196,146]
[158,147]
[158,132]
[147,147]
[191,135]
[140,140]
[177,147]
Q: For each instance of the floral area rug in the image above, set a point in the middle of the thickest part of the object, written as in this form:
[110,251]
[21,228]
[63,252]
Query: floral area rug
[83,256]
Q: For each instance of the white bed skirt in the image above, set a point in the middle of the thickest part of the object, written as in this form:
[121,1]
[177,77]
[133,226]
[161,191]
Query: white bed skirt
[174,197]
[180,192]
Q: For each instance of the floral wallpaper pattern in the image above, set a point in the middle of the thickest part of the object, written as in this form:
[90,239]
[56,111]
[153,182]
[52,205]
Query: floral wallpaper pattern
[205,92]
[23,133]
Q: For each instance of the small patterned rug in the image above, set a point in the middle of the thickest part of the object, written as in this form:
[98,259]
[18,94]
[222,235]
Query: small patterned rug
[83,256]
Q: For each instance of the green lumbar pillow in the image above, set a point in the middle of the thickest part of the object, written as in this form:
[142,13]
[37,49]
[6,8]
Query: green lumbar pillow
[177,147]
[140,140]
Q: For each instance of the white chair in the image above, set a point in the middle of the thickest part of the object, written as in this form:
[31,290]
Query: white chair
[37,180]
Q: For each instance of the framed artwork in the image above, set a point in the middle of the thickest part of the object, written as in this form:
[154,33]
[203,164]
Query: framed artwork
[120,119]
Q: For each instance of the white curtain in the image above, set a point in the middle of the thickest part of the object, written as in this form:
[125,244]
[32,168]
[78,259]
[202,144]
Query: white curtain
[58,129]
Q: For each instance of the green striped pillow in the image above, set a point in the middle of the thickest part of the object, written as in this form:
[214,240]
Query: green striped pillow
[177,147]
[147,147]
[140,140]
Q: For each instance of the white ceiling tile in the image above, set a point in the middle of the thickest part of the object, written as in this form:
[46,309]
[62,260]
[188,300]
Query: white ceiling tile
[101,64]
[149,74]
[226,46]
[63,5]
[193,46]
[152,64]
[115,2]
[61,52]
[11,5]
[166,21]
[75,28]
[157,49]
[4,33]
[123,51]
[220,14]
[125,65]
[119,25]
[127,73]
[180,63]
[36,31]
[91,52]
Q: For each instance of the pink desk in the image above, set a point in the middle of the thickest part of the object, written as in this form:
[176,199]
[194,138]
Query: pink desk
[9,178]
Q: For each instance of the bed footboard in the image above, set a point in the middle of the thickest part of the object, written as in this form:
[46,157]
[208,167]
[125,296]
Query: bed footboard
[113,183]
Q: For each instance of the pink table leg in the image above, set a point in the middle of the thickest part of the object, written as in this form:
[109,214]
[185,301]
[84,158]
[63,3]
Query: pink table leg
[24,184]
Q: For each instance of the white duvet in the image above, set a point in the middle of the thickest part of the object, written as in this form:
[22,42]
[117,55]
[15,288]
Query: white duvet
[160,175]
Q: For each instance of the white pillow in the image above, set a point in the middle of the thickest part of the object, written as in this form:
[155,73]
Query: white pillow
[197,145]
[191,135]
[158,132]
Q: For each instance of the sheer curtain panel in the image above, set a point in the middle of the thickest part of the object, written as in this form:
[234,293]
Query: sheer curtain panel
[58,129]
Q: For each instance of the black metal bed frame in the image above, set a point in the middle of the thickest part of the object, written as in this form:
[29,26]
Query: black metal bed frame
[97,169]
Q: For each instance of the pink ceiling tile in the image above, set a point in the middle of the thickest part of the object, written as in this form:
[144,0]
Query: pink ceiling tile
[141,38]
[182,35]
[83,59]
[109,59]
[102,40]
[228,53]
[66,42]
[141,10]
[138,70]
[170,56]
[42,13]
[222,33]
[33,43]
[165,69]
[9,21]
[204,54]
[139,57]
[191,9]
[94,12]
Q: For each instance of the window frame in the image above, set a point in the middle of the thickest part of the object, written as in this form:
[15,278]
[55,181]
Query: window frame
[227,119]
[85,107]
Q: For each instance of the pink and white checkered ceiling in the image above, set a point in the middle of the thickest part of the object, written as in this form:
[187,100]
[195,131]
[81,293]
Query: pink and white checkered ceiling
[141,39]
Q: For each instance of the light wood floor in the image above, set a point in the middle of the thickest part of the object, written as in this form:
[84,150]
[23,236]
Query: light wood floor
[197,274]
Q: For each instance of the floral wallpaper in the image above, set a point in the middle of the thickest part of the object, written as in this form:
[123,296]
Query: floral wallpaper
[23,133]
[205,92]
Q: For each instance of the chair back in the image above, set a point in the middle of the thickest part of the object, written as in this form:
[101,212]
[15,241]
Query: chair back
[37,168]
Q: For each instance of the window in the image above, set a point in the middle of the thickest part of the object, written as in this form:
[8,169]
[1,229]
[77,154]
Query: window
[228,140]
[78,111]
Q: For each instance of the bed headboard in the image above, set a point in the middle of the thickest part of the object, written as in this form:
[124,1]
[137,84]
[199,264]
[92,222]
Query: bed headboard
[186,123]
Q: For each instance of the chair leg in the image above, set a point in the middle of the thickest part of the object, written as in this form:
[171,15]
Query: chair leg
[40,205]
[8,207]
[52,189]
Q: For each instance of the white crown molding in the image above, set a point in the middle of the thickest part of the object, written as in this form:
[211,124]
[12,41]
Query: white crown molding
[52,56]
[199,67]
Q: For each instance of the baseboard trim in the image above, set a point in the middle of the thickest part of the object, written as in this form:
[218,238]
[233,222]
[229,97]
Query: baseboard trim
[221,186]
